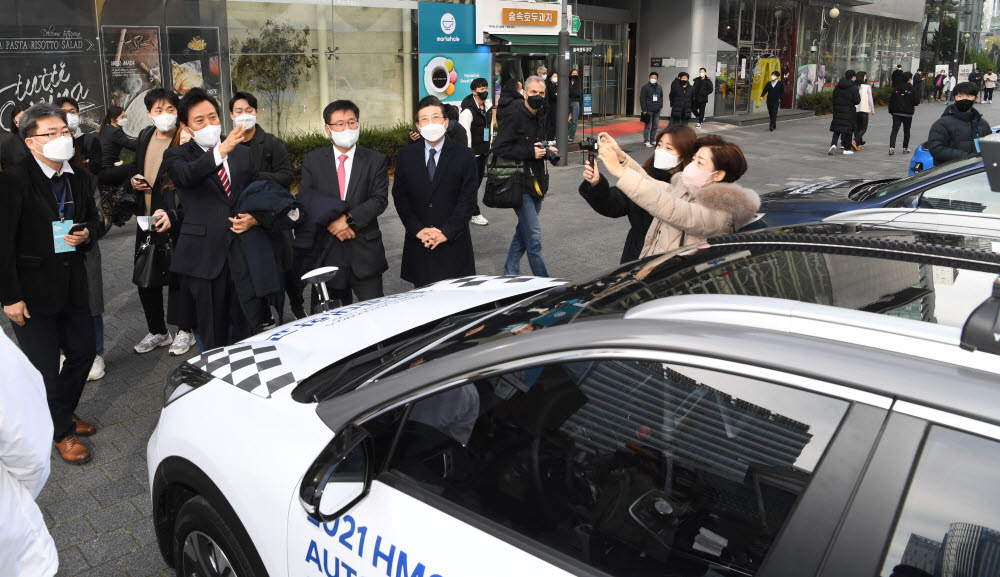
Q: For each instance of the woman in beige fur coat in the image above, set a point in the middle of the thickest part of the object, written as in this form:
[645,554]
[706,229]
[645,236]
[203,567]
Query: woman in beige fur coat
[698,203]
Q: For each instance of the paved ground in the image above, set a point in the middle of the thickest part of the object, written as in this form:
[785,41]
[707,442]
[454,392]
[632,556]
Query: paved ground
[99,514]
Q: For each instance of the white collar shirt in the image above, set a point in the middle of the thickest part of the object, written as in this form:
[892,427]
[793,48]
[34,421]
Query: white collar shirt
[427,152]
[49,172]
[348,164]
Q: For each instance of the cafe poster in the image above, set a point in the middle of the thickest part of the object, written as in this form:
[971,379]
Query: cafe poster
[194,59]
[131,68]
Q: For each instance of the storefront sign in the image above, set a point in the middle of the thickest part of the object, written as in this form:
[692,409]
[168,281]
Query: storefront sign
[448,76]
[509,17]
[447,27]
[682,63]
[964,70]
[588,104]
[131,68]
[41,63]
[194,59]
[574,25]
[656,63]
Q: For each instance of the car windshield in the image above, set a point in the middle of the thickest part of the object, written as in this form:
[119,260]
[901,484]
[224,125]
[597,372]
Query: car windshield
[895,284]
[913,182]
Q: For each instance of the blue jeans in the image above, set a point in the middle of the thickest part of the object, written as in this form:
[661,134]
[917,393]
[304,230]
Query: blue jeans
[574,111]
[651,128]
[947,95]
[528,236]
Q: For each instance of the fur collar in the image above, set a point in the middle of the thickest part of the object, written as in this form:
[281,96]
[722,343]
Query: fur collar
[740,202]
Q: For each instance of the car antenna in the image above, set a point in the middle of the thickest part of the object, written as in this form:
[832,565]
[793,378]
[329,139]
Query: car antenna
[982,329]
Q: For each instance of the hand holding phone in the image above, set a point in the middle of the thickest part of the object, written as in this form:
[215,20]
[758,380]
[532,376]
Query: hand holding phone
[77,227]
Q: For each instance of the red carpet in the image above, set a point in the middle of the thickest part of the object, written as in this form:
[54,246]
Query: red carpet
[617,129]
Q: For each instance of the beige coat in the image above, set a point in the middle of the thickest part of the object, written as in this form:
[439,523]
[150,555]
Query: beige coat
[682,216]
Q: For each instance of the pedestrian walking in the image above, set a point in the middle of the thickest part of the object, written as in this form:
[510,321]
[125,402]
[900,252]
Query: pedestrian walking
[575,102]
[989,84]
[477,119]
[434,191]
[956,134]
[26,547]
[865,108]
[650,104]
[552,96]
[846,97]
[902,103]
[918,84]
[897,75]
[949,86]
[703,87]
[939,82]
[511,97]
[520,139]
[773,91]
[976,78]
[681,99]
[675,145]
[43,280]
[113,140]
[700,202]
[358,177]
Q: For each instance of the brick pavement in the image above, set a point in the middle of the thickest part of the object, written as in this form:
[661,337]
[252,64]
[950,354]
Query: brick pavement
[100,513]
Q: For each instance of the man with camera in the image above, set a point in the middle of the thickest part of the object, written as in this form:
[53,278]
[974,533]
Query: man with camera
[521,138]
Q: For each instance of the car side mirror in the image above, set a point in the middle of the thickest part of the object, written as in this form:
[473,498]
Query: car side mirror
[982,329]
[340,477]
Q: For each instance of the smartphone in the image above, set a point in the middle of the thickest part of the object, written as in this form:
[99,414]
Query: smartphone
[143,180]
[77,227]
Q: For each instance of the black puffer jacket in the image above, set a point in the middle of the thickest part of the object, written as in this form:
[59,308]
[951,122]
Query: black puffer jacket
[903,100]
[952,136]
[608,201]
[845,97]
[680,99]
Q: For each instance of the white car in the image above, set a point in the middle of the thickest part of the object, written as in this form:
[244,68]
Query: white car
[764,404]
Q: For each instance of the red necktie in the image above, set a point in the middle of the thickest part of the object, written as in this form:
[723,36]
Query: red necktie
[224,177]
[342,177]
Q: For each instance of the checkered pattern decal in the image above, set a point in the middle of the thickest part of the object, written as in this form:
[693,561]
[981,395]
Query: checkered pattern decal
[254,368]
[478,280]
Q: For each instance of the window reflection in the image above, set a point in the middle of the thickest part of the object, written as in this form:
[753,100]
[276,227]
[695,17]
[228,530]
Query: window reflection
[950,520]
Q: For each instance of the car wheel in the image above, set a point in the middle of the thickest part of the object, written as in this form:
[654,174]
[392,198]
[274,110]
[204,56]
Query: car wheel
[204,546]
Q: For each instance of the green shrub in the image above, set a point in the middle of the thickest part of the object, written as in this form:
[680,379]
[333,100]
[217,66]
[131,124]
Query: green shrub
[821,103]
[388,141]
[881,95]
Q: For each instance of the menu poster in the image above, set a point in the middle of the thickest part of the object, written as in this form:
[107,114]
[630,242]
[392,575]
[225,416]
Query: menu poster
[132,68]
[194,59]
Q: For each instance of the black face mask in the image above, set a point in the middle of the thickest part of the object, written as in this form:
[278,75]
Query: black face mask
[536,101]
[964,105]
[482,95]
[574,78]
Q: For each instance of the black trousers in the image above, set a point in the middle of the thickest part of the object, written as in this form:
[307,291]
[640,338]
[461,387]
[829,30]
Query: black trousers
[938,92]
[364,289]
[481,167]
[180,308]
[988,93]
[41,338]
[896,122]
[699,111]
[861,129]
[845,139]
[772,111]
[219,318]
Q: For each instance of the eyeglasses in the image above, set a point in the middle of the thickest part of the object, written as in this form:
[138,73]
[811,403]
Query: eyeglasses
[54,134]
[436,118]
[352,124]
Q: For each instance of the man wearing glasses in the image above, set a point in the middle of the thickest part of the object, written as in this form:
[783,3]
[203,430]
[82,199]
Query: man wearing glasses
[49,220]
[346,187]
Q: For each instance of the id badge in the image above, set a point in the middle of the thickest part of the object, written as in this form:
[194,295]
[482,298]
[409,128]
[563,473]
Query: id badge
[976,142]
[655,98]
[60,228]
[486,135]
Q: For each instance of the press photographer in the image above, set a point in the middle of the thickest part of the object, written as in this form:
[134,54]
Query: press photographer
[521,138]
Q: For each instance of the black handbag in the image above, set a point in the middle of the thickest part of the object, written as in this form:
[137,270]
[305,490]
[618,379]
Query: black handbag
[506,182]
[645,118]
[152,263]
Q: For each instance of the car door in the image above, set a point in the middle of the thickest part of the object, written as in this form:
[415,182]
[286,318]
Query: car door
[628,464]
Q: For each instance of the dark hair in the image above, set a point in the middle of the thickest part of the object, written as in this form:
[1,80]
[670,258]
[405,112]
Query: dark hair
[708,140]
[479,83]
[66,100]
[907,76]
[705,69]
[967,88]
[898,66]
[776,73]
[194,97]
[849,74]
[682,138]
[728,157]
[250,98]
[340,105]
[42,110]
[114,111]
[862,76]
[157,94]
[19,107]
[683,74]
[652,74]
[577,70]
[427,102]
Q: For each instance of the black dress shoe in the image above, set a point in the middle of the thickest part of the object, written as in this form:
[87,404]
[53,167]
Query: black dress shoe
[299,312]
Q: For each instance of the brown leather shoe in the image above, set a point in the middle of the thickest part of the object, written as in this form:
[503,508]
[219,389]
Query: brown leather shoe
[83,428]
[72,450]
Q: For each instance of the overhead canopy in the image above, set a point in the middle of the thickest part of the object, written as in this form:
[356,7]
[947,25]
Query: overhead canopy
[530,43]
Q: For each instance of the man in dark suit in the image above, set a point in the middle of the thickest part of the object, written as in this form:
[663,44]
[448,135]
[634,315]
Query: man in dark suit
[774,91]
[89,145]
[360,177]
[209,177]
[43,276]
[434,191]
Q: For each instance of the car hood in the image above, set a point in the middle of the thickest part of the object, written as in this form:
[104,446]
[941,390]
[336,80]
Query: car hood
[269,363]
[827,191]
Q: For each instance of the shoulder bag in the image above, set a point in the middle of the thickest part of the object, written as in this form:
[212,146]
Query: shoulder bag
[152,263]
[506,182]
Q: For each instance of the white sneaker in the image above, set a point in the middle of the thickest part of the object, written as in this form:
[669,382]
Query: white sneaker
[151,341]
[182,343]
[848,152]
[479,220]
[62,359]
[832,150]
[96,369]
[648,145]
[699,125]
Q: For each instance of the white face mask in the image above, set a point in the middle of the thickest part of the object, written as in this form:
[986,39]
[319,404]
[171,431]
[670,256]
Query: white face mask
[543,76]
[122,121]
[247,120]
[664,160]
[58,149]
[165,122]
[555,80]
[345,138]
[702,74]
[652,81]
[72,121]
[433,132]
[208,137]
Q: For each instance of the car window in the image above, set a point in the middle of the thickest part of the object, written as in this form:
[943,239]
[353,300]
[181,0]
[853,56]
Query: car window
[637,467]
[950,521]
[921,178]
[969,194]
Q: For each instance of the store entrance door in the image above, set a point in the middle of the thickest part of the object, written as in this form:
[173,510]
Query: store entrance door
[604,81]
